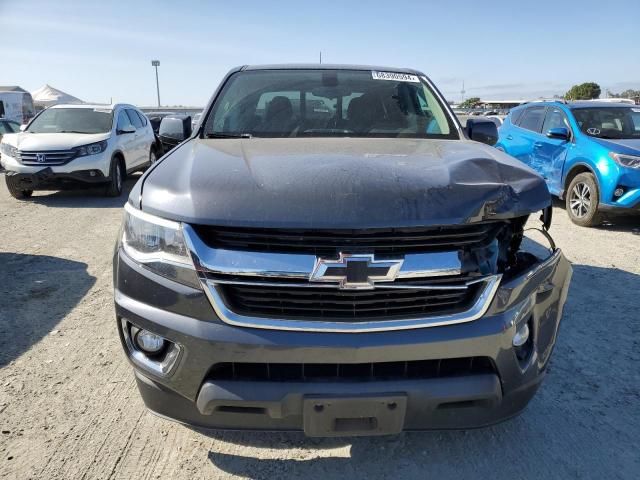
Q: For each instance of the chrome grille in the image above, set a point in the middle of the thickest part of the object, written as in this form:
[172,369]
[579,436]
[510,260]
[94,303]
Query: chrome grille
[343,305]
[51,157]
[279,290]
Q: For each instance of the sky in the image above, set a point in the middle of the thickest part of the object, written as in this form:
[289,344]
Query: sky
[101,51]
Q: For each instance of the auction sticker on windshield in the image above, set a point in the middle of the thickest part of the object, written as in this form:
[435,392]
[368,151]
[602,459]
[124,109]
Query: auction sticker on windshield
[402,77]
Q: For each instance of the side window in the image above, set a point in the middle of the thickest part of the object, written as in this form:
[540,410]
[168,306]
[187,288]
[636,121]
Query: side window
[135,119]
[515,115]
[143,118]
[532,119]
[555,119]
[123,120]
[5,128]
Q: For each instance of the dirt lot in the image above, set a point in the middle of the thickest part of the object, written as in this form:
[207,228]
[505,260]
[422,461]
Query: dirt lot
[69,407]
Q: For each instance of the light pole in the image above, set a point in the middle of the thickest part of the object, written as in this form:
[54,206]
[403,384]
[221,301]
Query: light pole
[156,63]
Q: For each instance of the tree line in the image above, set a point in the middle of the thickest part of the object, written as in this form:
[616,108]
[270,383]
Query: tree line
[583,91]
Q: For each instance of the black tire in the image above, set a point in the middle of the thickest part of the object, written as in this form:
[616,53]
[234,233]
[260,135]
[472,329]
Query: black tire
[15,189]
[582,200]
[116,179]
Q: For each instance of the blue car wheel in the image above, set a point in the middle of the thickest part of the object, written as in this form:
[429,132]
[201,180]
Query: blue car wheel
[582,199]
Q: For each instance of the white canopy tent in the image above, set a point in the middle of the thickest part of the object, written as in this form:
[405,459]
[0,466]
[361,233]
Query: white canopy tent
[47,96]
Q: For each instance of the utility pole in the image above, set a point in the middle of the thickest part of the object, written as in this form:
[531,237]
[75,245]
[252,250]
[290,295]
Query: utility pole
[462,92]
[320,56]
[156,64]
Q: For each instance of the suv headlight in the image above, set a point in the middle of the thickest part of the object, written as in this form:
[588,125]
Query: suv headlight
[630,161]
[9,150]
[91,149]
[158,244]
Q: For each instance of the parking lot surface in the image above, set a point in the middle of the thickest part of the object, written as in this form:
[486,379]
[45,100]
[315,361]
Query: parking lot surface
[69,408]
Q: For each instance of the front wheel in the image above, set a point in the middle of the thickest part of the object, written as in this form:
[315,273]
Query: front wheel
[582,200]
[116,179]
[15,190]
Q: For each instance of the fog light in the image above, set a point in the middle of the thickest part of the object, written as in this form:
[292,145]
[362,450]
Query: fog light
[149,342]
[521,336]
[618,192]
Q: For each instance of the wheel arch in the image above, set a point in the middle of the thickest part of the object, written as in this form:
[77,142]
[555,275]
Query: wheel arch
[575,170]
[120,157]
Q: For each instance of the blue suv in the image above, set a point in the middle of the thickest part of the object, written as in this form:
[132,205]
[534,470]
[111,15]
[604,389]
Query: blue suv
[588,153]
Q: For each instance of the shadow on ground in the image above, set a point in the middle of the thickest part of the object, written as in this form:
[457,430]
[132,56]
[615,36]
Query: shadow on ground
[583,423]
[84,198]
[36,292]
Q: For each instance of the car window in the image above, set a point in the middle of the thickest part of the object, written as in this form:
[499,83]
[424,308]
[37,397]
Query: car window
[72,120]
[123,120]
[348,103]
[135,119]
[532,119]
[609,122]
[143,118]
[555,118]
[515,115]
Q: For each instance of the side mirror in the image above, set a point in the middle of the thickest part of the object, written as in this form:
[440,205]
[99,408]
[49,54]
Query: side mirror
[23,127]
[177,128]
[483,131]
[127,129]
[561,133]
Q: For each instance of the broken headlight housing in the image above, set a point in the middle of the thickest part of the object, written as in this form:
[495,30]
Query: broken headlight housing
[158,245]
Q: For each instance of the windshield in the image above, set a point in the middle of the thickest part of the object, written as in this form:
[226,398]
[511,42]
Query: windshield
[609,122]
[72,120]
[316,103]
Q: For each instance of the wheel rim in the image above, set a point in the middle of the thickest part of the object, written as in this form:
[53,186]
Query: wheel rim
[118,177]
[152,157]
[580,200]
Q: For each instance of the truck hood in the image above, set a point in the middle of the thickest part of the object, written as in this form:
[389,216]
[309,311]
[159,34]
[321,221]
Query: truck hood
[338,183]
[52,141]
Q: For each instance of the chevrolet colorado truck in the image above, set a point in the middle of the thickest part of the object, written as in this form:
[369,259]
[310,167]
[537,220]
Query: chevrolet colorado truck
[331,251]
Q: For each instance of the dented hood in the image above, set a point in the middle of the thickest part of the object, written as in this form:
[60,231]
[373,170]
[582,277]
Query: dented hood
[339,183]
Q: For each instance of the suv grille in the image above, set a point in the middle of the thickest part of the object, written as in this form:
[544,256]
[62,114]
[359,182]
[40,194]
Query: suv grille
[390,241]
[385,371]
[346,305]
[53,157]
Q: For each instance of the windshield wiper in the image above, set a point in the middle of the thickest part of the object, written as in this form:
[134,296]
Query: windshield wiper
[72,131]
[228,135]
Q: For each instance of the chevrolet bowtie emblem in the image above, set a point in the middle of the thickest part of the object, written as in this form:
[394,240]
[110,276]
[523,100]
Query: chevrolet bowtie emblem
[355,272]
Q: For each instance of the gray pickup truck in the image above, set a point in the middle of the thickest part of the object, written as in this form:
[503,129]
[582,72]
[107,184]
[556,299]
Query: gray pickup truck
[330,251]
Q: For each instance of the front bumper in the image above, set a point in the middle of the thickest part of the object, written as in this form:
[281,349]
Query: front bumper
[48,179]
[191,395]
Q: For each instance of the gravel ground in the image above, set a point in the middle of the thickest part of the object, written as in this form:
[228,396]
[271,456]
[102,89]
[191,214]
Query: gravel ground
[69,408]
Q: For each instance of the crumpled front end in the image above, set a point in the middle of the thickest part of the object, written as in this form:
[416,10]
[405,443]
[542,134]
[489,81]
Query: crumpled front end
[458,335]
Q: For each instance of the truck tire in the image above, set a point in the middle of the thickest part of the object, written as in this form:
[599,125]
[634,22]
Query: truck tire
[15,189]
[582,200]
[116,179]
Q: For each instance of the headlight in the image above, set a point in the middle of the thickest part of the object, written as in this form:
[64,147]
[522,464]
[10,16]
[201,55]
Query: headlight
[158,245]
[91,149]
[9,150]
[630,161]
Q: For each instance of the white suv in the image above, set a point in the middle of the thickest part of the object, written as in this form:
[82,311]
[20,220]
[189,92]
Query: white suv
[78,145]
